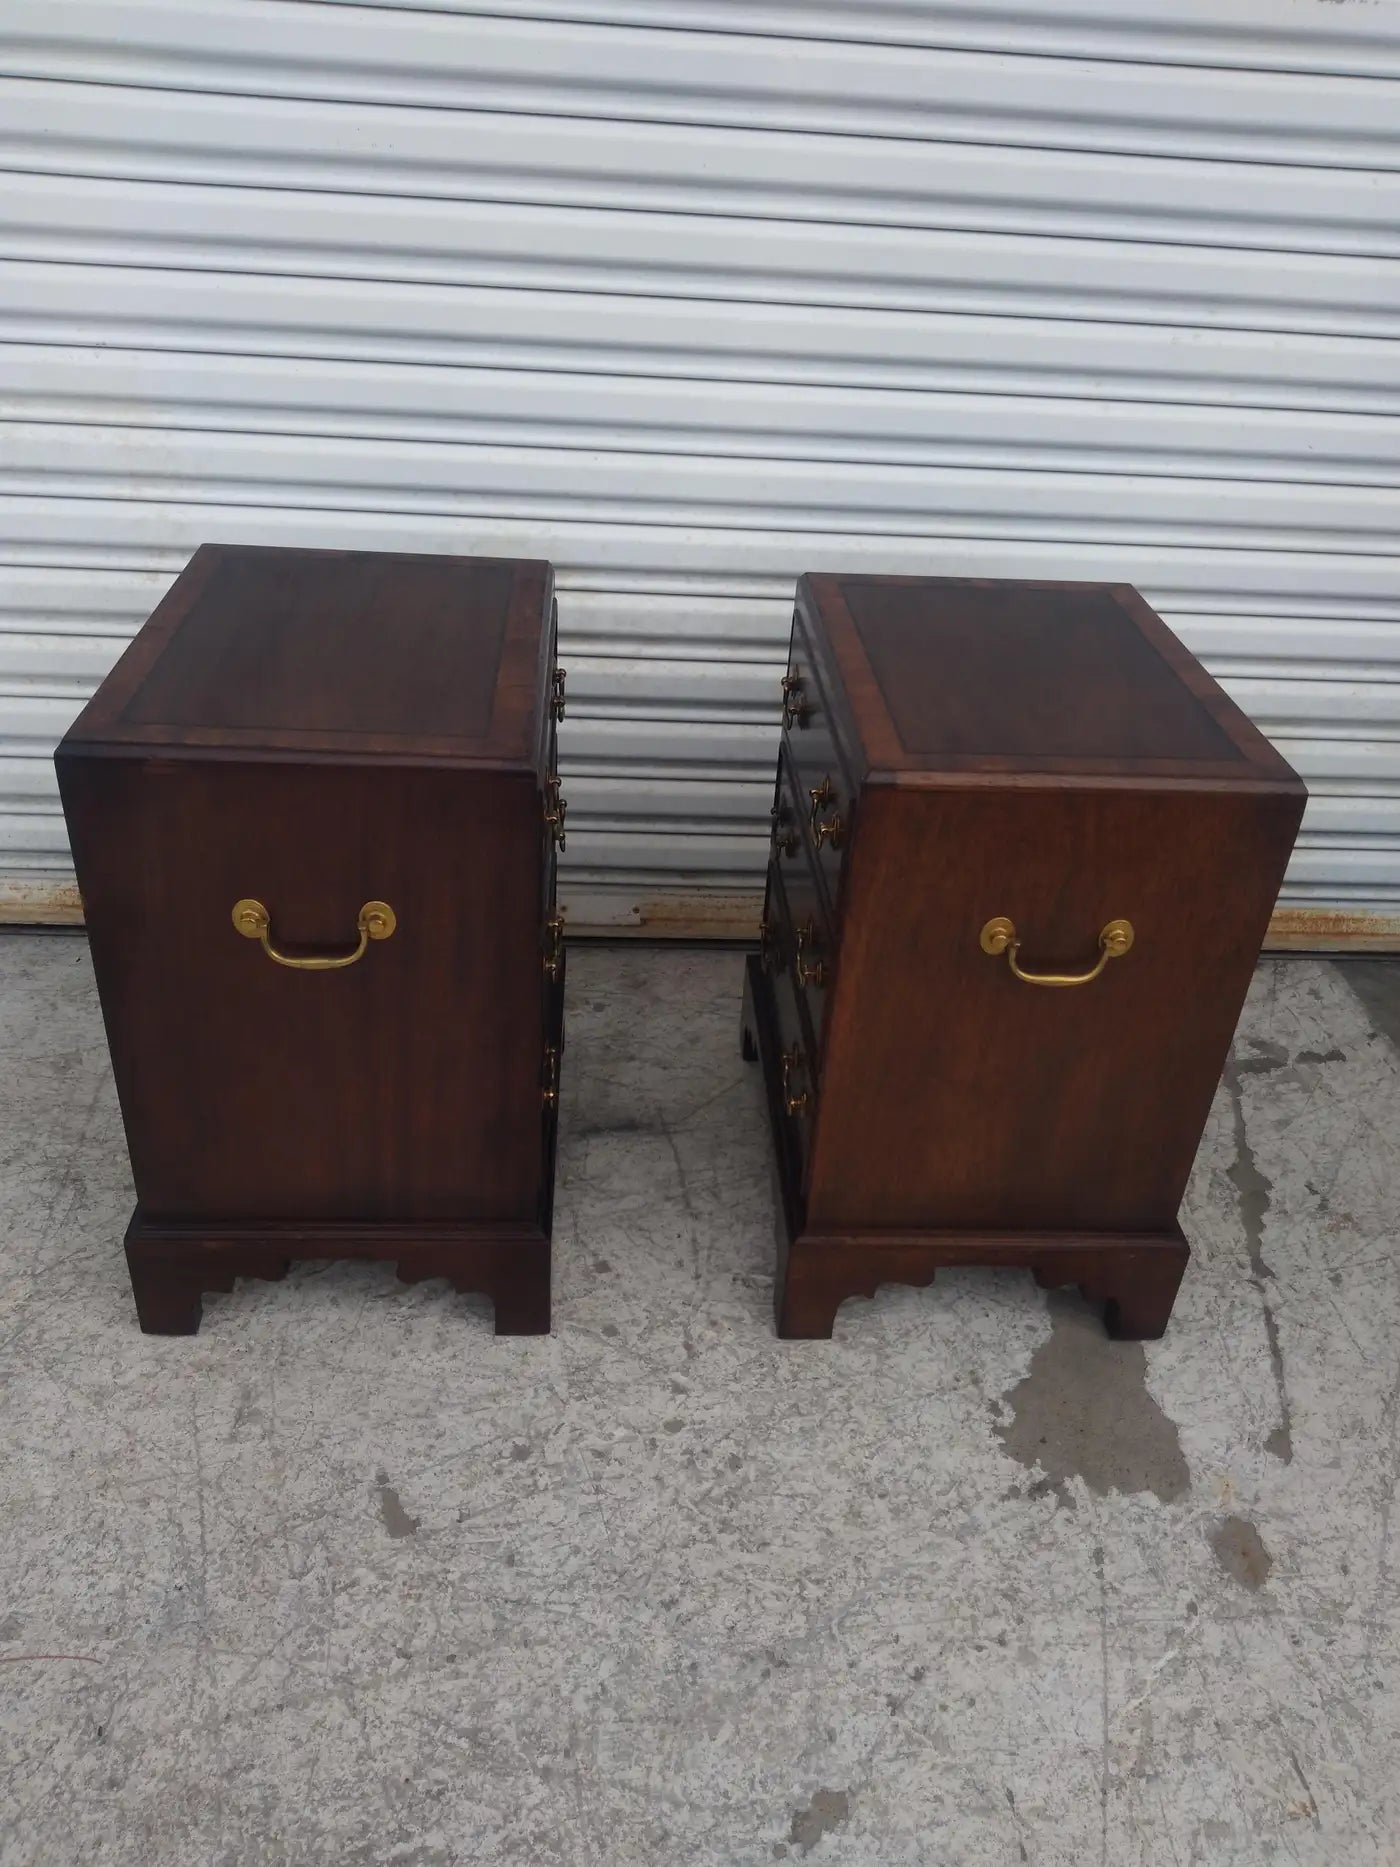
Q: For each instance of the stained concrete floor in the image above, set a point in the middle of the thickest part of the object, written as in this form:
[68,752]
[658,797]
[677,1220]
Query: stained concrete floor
[347,1580]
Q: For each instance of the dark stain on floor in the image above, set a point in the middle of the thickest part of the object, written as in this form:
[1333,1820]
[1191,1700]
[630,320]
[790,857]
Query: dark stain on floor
[1082,1410]
[1268,1057]
[828,1809]
[1240,1551]
[395,1518]
[1254,1190]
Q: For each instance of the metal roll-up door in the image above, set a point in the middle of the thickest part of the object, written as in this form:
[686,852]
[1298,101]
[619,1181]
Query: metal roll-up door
[692,295]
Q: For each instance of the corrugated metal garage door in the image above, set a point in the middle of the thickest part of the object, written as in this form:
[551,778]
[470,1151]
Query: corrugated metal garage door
[690,295]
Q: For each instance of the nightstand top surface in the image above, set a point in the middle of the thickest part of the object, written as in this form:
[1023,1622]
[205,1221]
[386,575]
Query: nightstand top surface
[266,651]
[1014,679]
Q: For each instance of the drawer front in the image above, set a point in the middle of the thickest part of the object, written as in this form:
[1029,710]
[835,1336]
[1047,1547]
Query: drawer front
[553,804]
[558,676]
[959,1094]
[826,791]
[552,927]
[807,701]
[797,936]
[554,686]
[809,880]
[551,1078]
[787,844]
[798,1085]
[554,814]
[825,807]
[404,1085]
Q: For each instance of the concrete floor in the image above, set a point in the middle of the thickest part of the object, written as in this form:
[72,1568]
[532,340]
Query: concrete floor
[347,1580]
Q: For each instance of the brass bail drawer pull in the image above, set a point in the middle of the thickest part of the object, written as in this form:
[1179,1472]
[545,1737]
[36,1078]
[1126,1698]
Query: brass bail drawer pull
[999,936]
[795,708]
[811,967]
[823,797]
[769,951]
[555,810]
[794,1101]
[554,946]
[376,921]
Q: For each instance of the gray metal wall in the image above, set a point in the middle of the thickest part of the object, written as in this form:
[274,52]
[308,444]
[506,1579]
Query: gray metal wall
[690,297]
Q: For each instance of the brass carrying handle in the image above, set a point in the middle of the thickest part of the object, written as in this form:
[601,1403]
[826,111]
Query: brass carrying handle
[793,1060]
[557,692]
[823,796]
[376,921]
[549,1088]
[999,936]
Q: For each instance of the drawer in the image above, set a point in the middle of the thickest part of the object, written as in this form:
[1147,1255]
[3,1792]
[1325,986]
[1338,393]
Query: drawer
[826,792]
[807,704]
[797,935]
[556,688]
[797,1084]
[552,956]
[554,810]
[553,688]
[552,963]
[551,1073]
[786,845]
[825,808]
[802,839]
[558,693]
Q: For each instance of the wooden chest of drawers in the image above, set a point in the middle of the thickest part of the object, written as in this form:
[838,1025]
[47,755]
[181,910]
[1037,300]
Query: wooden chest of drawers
[314,816]
[1024,855]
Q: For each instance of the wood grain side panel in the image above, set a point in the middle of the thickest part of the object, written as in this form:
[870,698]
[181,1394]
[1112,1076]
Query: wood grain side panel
[404,1087]
[956,1096]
